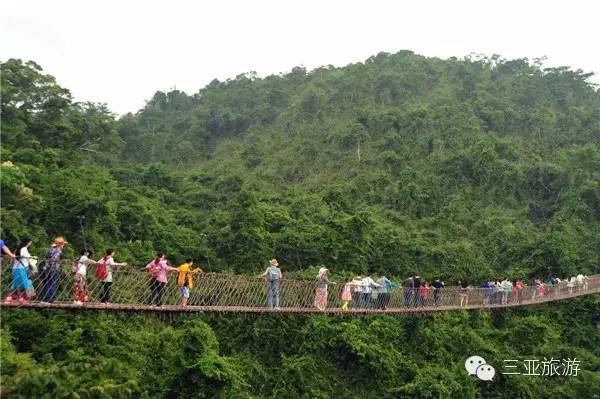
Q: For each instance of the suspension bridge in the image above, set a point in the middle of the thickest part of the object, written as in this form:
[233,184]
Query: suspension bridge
[220,292]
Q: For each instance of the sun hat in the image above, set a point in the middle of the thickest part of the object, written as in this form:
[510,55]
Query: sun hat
[59,242]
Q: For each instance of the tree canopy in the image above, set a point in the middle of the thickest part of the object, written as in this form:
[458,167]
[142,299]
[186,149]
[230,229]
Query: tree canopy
[459,168]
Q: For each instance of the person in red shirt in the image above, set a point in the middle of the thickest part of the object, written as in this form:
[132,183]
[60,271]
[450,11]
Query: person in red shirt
[517,289]
[423,293]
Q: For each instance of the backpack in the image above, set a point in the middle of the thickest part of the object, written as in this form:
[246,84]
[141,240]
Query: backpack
[273,273]
[101,271]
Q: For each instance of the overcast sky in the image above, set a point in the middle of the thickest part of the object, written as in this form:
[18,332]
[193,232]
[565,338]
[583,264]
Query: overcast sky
[121,52]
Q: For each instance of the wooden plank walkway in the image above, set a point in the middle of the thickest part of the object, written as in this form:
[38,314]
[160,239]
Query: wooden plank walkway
[247,309]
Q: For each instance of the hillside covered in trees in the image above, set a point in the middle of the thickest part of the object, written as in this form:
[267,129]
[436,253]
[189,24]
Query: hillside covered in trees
[459,169]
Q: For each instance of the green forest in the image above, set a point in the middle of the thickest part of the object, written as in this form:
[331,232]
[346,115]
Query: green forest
[459,169]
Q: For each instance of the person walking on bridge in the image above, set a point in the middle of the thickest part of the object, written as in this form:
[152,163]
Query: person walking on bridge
[357,290]
[80,276]
[498,291]
[487,289]
[409,286]
[415,291]
[535,288]
[463,292]
[273,275]
[571,284]
[346,295]
[368,285]
[104,273]
[582,282]
[22,287]
[423,294]
[518,290]
[185,280]
[437,291]
[158,269]
[384,292]
[556,285]
[50,270]
[321,293]
[507,288]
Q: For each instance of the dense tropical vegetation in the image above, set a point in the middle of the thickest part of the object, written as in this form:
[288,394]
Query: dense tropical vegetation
[458,168]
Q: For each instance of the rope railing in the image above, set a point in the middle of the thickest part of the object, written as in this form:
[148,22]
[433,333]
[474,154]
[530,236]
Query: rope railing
[132,289]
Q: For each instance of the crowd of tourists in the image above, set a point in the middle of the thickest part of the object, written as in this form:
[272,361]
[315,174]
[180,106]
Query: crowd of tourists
[416,292]
[25,268]
[368,292]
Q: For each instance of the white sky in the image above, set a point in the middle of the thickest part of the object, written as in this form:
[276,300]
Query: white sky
[121,52]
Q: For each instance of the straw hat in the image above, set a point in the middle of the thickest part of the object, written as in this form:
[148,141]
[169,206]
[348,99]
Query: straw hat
[59,242]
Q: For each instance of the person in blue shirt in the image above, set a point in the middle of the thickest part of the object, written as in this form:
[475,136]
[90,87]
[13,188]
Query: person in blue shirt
[384,292]
[488,290]
[5,250]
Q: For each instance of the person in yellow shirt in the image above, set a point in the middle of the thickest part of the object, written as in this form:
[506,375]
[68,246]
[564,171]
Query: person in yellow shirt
[185,280]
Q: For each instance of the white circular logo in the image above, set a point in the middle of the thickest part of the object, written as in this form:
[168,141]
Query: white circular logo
[476,365]
[485,372]
[472,363]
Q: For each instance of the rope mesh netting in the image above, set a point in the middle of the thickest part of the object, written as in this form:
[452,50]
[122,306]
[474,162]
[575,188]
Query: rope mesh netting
[132,289]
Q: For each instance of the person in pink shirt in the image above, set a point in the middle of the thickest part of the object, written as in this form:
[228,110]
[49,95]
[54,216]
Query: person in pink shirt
[158,269]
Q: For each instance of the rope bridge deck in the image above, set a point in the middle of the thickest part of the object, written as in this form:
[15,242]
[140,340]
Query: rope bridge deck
[131,291]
